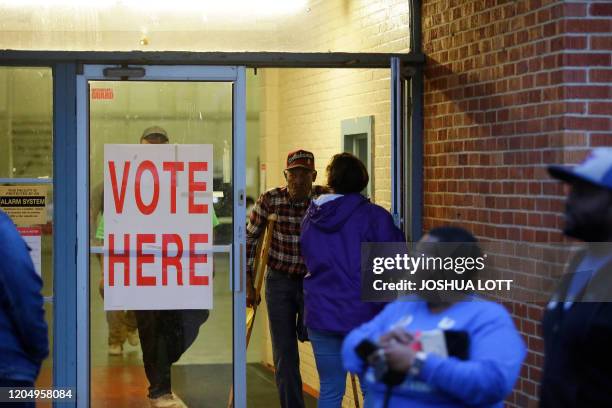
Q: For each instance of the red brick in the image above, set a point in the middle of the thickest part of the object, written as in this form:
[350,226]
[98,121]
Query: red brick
[560,108]
[550,62]
[586,26]
[600,9]
[573,10]
[601,43]
[550,29]
[535,188]
[534,64]
[542,79]
[529,387]
[535,374]
[568,42]
[552,124]
[600,108]
[542,47]
[587,92]
[601,139]
[534,313]
[586,123]
[543,16]
[600,75]
[586,60]
[568,75]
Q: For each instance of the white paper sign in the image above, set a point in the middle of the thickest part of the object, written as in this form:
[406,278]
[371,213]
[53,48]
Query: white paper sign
[158,227]
[32,237]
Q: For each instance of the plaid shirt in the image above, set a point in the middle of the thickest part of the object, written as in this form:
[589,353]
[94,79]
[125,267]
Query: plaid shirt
[284,254]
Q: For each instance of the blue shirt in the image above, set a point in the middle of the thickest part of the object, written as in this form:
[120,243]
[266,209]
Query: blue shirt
[23,330]
[496,352]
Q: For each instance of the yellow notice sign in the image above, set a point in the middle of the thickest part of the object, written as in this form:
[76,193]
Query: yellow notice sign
[26,205]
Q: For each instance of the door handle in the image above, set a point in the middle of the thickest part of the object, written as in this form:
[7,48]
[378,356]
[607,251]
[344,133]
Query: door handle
[124,72]
[242,270]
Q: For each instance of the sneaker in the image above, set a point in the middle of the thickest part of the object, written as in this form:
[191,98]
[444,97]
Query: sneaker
[115,349]
[167,401]
[132,337]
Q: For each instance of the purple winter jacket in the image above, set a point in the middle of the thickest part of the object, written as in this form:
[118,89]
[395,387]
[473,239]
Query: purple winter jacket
[330,242]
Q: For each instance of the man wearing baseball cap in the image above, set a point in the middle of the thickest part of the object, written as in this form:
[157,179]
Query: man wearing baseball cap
[577,322]
[154,135]
[286,269]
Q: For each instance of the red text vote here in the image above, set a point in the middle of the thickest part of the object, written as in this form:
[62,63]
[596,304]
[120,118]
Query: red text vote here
[162,180]
[158,232]
[128,254]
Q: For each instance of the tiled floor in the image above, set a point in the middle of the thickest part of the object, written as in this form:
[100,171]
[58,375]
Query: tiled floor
[204,386]
[202,377]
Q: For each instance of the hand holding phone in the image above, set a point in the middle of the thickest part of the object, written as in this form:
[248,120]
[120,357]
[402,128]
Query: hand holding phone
[397,335]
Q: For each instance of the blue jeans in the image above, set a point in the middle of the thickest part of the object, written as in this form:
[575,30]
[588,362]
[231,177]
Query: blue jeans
[327,349]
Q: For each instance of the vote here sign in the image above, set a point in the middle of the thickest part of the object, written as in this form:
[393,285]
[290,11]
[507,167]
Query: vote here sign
[158,227]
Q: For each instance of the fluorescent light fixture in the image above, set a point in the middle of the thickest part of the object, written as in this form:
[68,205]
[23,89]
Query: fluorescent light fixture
[57,3]
[224,7]
[210,7]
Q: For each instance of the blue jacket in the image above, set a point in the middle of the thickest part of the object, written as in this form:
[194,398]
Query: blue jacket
[496,352]
[23,331]
[330,242]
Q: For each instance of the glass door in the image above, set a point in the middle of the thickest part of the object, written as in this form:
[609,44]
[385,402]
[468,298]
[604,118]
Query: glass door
[27,179]
[161,306]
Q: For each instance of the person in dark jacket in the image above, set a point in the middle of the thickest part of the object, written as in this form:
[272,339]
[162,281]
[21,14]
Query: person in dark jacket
[23,330]
[165,334]
[333,229]
[577,322]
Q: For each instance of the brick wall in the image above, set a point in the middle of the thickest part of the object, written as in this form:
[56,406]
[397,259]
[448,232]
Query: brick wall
[510,87]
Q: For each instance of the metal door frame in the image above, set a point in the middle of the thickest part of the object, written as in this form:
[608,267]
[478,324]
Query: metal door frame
[407,148]
[235,75]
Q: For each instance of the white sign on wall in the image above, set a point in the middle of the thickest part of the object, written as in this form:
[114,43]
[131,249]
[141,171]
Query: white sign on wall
[32,237]
[158,227]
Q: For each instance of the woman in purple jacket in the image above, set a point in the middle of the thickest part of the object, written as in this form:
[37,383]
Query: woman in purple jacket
[333,229]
